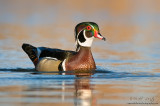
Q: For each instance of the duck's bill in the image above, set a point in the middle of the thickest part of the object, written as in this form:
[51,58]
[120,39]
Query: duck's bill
[99,36]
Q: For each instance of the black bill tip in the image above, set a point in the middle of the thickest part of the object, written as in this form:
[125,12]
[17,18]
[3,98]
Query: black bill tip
[104,39]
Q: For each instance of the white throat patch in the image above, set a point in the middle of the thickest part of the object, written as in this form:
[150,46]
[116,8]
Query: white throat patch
[88,41]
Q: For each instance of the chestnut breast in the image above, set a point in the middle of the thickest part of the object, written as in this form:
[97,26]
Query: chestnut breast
[82,60]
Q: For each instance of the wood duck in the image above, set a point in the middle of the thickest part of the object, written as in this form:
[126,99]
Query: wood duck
[52,59]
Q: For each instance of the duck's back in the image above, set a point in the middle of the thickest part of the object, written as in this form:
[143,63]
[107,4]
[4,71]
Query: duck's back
[47,59]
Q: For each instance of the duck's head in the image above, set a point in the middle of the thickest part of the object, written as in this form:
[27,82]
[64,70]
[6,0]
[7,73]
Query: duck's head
[85,32]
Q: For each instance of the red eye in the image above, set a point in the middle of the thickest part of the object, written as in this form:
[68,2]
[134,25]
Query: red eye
[89,28]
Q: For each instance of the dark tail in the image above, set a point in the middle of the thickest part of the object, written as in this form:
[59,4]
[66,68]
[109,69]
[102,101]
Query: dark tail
[31,52]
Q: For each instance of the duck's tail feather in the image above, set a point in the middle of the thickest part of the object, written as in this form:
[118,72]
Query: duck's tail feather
[31,52]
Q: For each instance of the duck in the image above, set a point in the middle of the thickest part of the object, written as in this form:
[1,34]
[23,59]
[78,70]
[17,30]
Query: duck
[54,59]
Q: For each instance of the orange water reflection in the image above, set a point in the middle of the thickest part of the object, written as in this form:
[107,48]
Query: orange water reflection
[82,93]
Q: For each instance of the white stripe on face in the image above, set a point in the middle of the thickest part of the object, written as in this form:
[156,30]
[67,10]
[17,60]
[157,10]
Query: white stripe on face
[91,26]
[88,41]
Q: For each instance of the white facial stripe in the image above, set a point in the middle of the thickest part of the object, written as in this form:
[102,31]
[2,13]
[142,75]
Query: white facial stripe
[84,28]
[91,26]
[88,41]
[77,38]
[79,33]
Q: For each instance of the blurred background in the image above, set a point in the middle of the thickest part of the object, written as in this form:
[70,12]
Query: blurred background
[129,59]
[132,27]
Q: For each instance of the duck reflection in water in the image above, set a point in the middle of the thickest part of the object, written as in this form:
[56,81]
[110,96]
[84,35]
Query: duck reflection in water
[83,91]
